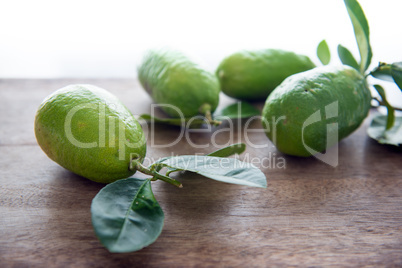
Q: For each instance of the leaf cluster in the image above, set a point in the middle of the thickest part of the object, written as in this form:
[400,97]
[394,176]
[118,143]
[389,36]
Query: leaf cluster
[126,215]
[388,72]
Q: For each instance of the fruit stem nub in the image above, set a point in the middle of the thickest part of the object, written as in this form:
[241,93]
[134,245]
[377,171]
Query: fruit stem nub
[205,109]
[135,165]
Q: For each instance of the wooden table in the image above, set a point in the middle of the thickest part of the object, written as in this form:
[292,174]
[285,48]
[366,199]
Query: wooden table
[311,214]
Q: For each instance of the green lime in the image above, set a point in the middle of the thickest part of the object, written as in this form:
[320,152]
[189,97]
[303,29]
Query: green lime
[88,131]
[179,85]
[252,75]
[313,110]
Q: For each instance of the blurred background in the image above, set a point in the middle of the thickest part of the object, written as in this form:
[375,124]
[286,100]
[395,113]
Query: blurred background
[106,39]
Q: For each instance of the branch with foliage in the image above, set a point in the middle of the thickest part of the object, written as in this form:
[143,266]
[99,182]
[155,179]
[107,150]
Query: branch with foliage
[385,129]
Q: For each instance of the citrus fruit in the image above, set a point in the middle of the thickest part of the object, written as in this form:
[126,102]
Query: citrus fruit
[307,110]
[252,75]
[179,85]
[88,131]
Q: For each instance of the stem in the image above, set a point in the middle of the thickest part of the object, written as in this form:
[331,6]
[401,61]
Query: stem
[168,180]
[381,103]
[171,171]
[141,168]
[205,109]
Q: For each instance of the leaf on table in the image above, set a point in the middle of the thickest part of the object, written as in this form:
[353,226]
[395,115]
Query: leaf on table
[126,216]
[227,170]
[378,132]
[195,122]
[347,58]
[361,30]
[237,148]
[323,52]
[396,71]
[237,110]
[390,109]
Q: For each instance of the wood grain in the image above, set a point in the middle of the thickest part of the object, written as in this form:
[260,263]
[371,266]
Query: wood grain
[311,214]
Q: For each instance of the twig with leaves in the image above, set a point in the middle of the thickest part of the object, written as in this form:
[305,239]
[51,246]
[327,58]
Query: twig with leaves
[385,129]
[125,214]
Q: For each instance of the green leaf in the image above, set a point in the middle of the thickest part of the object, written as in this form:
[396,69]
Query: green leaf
[361,29]
[390,109]
[347,58]
[323,52]
[383,72]
[195,122]
[237,110]
[126,216]
[377,130]
[396,70]
[237,148]
[227,170]
[389,72]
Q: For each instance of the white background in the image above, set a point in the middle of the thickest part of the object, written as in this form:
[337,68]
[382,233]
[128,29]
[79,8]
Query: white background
[106,39]
[48,39]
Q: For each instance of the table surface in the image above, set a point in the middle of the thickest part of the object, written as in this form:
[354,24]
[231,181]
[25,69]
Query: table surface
[311,214]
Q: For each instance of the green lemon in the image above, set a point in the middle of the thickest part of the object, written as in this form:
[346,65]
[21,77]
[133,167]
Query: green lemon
[181,86]
[313,110]
[252,75]
[88,131]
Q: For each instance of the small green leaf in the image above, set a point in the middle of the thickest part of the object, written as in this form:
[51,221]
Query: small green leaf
[237,148]
[377,130]
[390,109]
[195,122]
[396,70]
[361,29]
[323,52]
[126,216]
[383,72]
[227,170]
[347,58]
[389,72]
[237,110]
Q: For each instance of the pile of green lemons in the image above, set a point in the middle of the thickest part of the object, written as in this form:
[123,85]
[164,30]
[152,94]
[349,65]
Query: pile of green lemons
[89,131]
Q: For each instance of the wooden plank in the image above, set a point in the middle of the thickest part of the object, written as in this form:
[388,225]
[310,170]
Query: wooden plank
[311,214]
